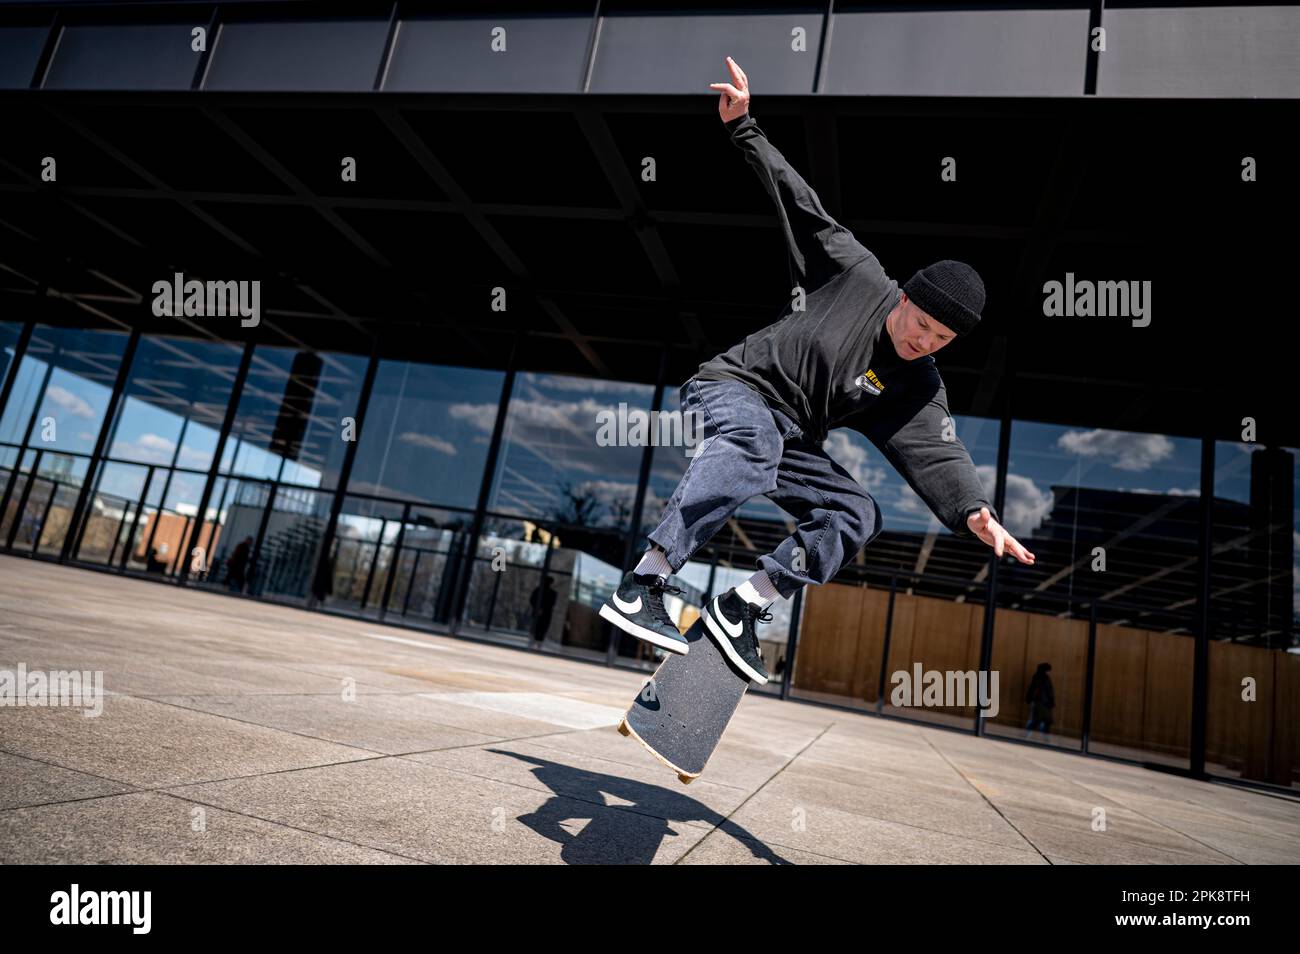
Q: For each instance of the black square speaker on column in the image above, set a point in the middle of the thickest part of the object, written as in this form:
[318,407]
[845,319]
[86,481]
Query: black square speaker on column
[295,407]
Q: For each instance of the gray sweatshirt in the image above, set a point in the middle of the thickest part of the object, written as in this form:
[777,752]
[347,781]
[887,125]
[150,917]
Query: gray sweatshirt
[833,364]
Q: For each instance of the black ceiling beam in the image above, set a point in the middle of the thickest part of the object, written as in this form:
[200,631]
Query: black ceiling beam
[1069,166]
[845,106]
[190,206]
[478,220]
[965,230]
[632,210]
[332,311]
[254,150]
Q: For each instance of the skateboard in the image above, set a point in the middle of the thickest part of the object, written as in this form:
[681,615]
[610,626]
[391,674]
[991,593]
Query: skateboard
[682,711]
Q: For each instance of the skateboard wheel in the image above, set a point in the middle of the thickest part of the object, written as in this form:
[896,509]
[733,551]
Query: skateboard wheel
[686,779]
[623,729]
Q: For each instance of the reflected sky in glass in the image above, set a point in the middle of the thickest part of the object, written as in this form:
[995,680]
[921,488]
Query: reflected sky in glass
[427,433]
[174,402]
[1049,460]
[82,367]
[290,420]
[552,463]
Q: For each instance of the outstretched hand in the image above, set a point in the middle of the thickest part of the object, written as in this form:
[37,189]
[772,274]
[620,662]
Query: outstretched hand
[995,535]
[734,101]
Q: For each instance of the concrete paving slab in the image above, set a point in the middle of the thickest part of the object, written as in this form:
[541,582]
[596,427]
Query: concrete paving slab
[720,848]
[540,706]
[648,788]
[28,782]
[131,675]
[960,817]
[150,744]
[889,779]
[163,831]
[1081,844]
[469,752]
[1122,825]
[426,812]
[780,821]
[388,722]
[733,766]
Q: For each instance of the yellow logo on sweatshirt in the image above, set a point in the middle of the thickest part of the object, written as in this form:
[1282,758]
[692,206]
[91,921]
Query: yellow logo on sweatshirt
[869,382]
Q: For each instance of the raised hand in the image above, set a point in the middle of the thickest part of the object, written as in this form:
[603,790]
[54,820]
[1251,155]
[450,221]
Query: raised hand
[995,535]
[734,101]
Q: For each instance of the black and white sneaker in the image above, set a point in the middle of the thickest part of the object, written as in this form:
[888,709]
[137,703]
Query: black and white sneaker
[637,608]
[731,621]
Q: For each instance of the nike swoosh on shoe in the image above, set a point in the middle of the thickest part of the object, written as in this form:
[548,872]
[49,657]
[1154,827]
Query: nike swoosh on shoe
[732,629]
[632,607]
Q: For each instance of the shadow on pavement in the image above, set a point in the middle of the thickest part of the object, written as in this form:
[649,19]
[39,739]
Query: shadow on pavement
[618,834]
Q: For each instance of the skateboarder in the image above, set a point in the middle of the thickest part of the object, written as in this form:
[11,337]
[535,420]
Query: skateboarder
[852,349]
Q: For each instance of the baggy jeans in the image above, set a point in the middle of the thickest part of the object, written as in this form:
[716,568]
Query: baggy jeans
[747,448]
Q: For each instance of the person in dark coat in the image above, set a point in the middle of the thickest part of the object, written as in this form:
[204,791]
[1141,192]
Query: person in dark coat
[1041,699]
[542,603]
[237,569]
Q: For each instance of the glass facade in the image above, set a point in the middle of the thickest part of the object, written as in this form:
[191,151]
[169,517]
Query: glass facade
[160,446]
[507,506]
[295,418]
[435,425]
[921,598]
[1253,608]
[1114,517]
[59,395]
[566,453]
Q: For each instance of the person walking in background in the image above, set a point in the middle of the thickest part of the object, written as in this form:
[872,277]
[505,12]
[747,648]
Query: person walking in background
[237,568]
[542,603]
[1041,699]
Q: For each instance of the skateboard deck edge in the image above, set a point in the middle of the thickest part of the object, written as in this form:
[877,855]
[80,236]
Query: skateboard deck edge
[686,777]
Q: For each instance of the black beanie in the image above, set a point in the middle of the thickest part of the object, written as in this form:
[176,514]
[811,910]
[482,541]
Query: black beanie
[950,292]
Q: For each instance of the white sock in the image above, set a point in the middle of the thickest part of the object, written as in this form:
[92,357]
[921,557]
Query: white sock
[655,563]
[758,590]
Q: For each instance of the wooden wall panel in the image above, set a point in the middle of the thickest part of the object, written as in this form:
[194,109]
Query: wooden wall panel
[1010,632]
[871,643]
[1167,716]
[1143,679]
[1118,696]
[841,638]
[940,635]
[826,655]
[1238,733]
[1064,644]
[940,638]
[1286,718]
[900,640]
